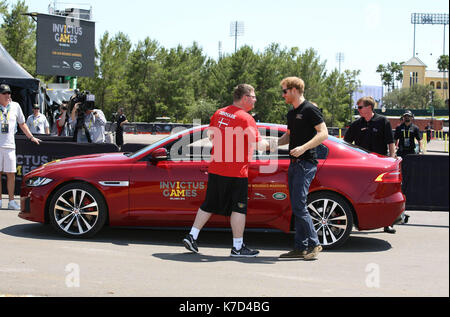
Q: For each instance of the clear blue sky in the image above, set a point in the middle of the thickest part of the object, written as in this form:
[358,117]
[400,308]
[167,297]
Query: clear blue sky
[368,33]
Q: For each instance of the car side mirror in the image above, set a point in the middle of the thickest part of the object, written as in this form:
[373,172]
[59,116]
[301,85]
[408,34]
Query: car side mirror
[159,154]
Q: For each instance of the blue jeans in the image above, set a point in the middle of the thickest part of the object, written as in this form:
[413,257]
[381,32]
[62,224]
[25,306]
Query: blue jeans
[300,176]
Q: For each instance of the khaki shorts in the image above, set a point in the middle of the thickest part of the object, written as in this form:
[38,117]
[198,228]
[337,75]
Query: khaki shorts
[8,160]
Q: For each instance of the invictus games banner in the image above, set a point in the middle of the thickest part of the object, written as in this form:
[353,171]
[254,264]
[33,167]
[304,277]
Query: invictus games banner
[65,46]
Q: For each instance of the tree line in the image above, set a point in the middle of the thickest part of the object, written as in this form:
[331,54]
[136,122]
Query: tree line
[149,80]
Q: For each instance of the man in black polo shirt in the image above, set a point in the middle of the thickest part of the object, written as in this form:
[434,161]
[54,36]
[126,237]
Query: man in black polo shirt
[406,134]
[306,131]
[372,132]
[121,120]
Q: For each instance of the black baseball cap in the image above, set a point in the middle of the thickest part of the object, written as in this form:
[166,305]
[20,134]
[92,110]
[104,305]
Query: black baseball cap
[408,113]
[4,88]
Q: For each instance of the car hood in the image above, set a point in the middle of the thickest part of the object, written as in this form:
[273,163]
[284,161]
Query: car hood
[83,160]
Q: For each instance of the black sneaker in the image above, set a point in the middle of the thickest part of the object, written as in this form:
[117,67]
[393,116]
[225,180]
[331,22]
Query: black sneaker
[244,252]
[406,220]
[390,230]
[190,243]
[312,253]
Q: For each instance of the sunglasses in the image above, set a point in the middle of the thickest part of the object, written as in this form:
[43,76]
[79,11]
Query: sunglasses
[285,91]
[361,107]
[6,93]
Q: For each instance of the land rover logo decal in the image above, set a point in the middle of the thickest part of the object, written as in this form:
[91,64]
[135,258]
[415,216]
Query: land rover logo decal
[77,66]
[279,196]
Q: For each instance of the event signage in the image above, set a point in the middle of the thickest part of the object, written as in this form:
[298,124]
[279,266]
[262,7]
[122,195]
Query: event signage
[65,46]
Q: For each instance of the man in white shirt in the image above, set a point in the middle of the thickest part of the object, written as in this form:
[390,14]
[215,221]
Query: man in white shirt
[10,115]
[92,130]
[37,122]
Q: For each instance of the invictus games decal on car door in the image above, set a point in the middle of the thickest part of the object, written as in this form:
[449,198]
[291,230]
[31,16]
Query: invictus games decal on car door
[181,190]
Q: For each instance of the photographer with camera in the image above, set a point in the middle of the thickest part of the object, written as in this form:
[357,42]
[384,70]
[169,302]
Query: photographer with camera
[61,127]
[87,122]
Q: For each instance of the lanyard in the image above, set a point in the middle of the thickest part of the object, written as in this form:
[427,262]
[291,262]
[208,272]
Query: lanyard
[35,121]
[404,133]
[91,121]
[7,114]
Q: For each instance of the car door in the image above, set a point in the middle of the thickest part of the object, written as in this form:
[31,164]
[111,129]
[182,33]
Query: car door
[269,203]
[168,192]
[268,186]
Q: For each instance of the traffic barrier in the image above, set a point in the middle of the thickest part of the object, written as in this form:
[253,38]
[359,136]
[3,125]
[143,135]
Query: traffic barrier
[446,143]
[426,182]
[424,143]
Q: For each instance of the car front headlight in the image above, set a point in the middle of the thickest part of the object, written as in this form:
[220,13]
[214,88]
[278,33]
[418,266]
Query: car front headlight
[38,181]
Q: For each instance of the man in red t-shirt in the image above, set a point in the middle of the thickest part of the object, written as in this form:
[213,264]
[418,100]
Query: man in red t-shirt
[234,135]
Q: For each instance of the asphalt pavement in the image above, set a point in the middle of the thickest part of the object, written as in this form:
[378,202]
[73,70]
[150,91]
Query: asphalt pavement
[36,261]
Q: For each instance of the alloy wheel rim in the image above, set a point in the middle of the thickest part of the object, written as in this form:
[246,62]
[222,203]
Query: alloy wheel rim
[76,212]
[329,219]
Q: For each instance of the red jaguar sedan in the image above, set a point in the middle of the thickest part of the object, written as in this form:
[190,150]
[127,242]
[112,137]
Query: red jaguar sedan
[164,184]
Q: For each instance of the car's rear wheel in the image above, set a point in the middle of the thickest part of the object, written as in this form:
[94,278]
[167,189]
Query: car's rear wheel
[77,210]
[332,218]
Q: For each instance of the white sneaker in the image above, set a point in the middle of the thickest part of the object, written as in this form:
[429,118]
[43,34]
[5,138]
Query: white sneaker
[12,205]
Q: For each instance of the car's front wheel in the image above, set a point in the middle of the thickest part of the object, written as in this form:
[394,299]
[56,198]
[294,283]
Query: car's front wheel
[77,210]
[332,218]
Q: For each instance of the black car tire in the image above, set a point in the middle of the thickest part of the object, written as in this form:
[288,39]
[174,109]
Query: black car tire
[82,219]
[332,218]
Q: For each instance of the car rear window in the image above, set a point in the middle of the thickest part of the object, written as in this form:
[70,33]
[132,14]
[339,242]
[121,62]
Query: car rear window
[348,145]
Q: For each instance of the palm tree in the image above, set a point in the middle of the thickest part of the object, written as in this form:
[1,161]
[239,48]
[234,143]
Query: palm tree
[390,74]
[443,66]
[443,63]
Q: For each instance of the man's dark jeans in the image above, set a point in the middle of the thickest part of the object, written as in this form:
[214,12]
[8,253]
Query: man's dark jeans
[300,176]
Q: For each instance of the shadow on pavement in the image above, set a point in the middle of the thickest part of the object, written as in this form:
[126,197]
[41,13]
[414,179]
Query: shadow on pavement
[259,240]
[203,258]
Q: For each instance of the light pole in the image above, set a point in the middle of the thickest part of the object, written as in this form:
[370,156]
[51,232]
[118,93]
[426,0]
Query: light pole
[340,59]
[430,18]
[236,29]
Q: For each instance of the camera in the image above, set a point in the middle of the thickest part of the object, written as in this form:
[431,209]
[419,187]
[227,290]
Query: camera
[86,100]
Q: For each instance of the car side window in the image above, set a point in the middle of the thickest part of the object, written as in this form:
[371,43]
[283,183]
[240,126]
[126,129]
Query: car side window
[272,134]
[200,150]
[283,151]
[193,147]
